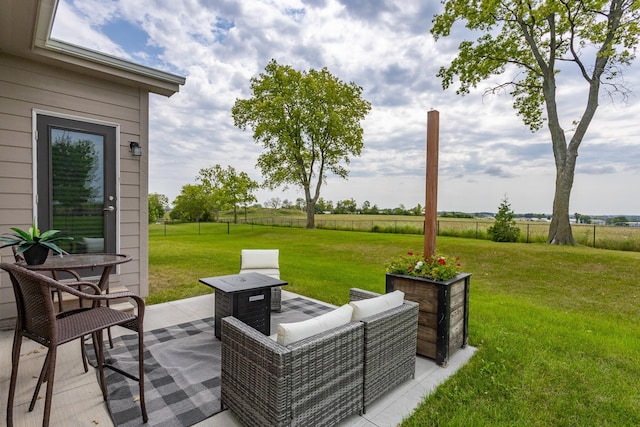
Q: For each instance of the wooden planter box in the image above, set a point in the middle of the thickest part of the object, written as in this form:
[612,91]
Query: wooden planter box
[443,321]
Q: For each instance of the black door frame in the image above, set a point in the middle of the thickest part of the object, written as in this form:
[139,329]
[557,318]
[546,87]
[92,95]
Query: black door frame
[44,121]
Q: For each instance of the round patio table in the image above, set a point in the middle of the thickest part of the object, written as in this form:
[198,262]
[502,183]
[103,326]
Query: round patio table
[81,261]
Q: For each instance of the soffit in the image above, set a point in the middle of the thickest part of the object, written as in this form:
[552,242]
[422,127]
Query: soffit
[25,26]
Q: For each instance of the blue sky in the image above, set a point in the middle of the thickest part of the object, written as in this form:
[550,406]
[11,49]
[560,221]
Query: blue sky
[486,152]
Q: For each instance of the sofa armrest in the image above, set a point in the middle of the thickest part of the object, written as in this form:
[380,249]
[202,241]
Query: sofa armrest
[327,376]
[390,346]
[254,375]
[356,294]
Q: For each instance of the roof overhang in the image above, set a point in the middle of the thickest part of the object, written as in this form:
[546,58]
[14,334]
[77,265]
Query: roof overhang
[25,30]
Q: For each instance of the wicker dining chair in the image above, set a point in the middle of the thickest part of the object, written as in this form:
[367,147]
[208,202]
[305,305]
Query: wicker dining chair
[55,294]
[38,321]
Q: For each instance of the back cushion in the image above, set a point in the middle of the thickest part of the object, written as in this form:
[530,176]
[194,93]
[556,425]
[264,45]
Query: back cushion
[292,332]
[259,258]
[93,244]
[369,307]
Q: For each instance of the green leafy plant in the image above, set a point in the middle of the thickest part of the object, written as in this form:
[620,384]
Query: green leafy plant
[504,228]
[25,240]
[435,267]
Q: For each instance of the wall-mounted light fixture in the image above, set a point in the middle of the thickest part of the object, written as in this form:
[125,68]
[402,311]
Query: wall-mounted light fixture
[135,148]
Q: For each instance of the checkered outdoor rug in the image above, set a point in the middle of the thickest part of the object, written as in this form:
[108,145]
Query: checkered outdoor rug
[182,370]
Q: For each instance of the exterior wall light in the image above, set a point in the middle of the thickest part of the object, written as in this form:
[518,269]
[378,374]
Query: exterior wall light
[135,148]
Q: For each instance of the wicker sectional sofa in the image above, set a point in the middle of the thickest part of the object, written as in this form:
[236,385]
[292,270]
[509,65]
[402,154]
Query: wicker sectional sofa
[390,346]
[319,380]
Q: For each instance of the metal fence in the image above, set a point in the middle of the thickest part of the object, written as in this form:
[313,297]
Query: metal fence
[598,236]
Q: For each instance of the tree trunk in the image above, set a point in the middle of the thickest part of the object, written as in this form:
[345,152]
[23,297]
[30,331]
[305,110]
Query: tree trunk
[565,160]
[560,230]
[311,208]
[311,218]
[311,201]
[566,155]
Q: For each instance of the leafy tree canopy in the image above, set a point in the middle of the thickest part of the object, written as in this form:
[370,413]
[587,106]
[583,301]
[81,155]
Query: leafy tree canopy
[531,42]
[308,124]
[228,188]
[158,204]
[192,204]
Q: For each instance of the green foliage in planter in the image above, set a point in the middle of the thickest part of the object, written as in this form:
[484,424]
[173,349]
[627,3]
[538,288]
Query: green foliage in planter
[25,240]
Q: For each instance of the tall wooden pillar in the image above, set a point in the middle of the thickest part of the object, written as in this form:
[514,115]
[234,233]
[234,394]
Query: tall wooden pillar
[431,196]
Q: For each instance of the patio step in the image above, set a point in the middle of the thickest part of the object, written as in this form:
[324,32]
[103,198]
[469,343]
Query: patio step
[125,307]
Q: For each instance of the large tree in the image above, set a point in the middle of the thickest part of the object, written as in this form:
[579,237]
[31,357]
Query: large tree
[593,38]
[158,204]
[229,188]
[308,123]
[194,203]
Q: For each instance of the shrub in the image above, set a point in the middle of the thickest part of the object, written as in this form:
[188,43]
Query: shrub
[504,228]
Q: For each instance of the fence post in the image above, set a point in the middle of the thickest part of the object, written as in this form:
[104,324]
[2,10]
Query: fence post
[594,235]
[528,233]
[477,233]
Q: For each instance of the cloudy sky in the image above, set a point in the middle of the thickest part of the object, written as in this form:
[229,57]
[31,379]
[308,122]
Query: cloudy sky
[384,46]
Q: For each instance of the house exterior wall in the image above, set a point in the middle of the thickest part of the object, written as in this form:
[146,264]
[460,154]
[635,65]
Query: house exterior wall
[27,86]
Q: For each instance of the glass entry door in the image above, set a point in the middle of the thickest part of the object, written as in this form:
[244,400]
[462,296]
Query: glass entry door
[77,182]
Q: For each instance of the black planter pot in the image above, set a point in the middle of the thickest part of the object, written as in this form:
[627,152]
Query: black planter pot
[36,254]
[443,320]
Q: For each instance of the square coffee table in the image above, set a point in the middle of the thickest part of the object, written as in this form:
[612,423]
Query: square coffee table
[246,296]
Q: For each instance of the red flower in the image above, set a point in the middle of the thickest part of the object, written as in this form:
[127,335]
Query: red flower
[441,261]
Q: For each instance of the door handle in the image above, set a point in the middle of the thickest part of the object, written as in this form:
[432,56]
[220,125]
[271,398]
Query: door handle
[109,209]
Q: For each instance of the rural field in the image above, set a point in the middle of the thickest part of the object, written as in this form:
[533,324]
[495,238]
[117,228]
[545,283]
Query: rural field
[599,236]
[556,327]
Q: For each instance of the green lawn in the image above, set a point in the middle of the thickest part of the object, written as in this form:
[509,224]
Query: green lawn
[556,328]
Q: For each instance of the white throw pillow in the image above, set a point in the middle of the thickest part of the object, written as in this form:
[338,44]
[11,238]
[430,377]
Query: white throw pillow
[369,307]
[292,332]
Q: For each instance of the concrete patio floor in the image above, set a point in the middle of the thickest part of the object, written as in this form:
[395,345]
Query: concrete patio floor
[77,400]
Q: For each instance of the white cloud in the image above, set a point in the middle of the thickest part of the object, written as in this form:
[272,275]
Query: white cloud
[76,26]
[385,47]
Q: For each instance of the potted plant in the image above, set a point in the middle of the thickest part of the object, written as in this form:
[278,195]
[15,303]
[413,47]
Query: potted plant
[438,268]
[437,284]
[33,245]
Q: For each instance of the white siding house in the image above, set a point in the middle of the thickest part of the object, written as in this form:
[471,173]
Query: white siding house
[42,79]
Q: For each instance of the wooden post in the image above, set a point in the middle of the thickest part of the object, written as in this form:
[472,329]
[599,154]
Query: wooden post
[431,196]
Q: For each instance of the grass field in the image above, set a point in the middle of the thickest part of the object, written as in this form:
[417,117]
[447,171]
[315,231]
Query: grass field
[556,327]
